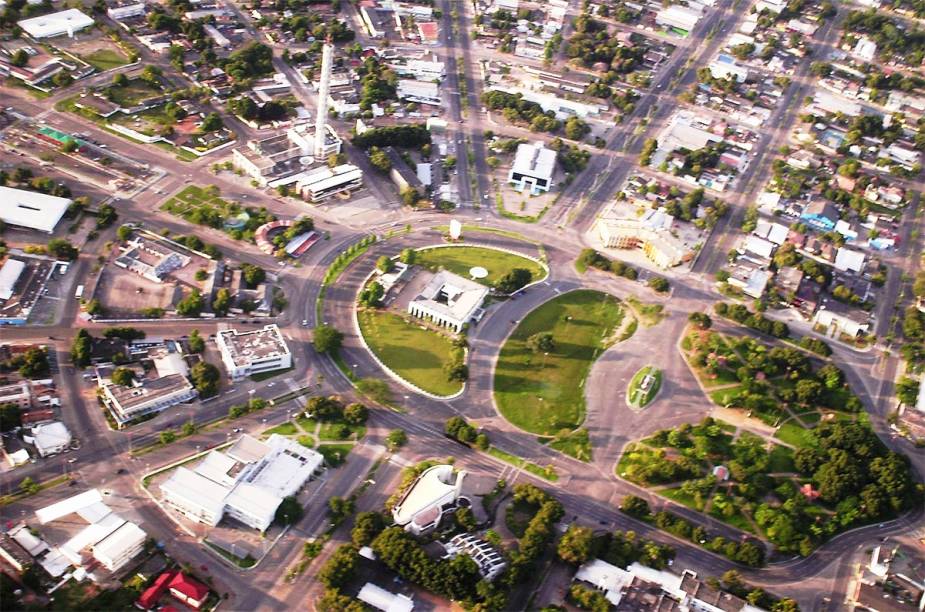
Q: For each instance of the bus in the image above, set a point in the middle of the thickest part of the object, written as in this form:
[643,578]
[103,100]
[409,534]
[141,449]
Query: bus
[80,291]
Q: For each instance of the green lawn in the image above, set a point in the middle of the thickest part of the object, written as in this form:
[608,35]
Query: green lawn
[137,90]
[576,444]
[781,460]
[105,59]
[676,494]
[459,260]
[726,396]
[335,454]
[283,429]
[638,398]
[340,431]
[549,473]
[416,354]
[542,393]
[261,376]
[791,433]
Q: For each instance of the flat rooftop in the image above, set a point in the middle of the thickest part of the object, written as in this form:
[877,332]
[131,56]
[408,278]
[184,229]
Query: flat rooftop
[247,347]
[129,397]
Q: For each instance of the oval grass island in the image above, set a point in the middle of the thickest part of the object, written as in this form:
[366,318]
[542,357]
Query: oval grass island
[542,391]
[461,259]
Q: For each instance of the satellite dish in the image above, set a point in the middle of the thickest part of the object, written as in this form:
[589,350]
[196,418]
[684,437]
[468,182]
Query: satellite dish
[455,229]
[478,272]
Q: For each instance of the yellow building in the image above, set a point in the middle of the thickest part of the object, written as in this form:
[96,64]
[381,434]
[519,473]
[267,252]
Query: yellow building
[650,233]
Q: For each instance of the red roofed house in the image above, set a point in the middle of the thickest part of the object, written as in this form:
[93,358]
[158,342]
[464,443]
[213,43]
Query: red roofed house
[430,32]
[191,592]
[153,593]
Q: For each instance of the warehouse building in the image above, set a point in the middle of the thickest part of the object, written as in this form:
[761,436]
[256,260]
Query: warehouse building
[56,24]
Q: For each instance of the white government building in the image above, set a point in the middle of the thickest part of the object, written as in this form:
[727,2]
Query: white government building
[247,482]
[253,352]
[533,168]
[56,24]
[449,300]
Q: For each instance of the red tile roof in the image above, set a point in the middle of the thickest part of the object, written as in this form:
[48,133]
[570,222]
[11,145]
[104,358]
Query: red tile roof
[192,589]
[149,598]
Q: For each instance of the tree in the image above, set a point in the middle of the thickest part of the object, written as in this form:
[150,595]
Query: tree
[205,377]
[124,232]
[659,284]
[327,339]
[151,74]
[191,305]
[576,544]
[195,342]
[366,527]
[456,371]
[385,264]
[701,319]
[29,486]
[120,80]
[380,160]
[81,348]
[253,275]
[222,302]
[20,58]
[123,376]
[372,295]
[340,509]
[324,408]
[10,416]
[407,256]
[69,146]
[211,123]
[356,414]
[907,390]
[34,363]
[63,249]
[514,280]
[636,507]
[575,128]
[340,567]
[466,519]
[289,511]
[166,437]
[396,439]
[541,342]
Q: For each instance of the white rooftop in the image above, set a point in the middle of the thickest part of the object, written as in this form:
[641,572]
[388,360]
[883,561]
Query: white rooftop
[196,489]
[55,24]
[31,210]
[379,598]
[126,538]
[606,577]
[452,295]
[247,449]
[534,160]
[437,485]
[286,468]
[68,506]
[9,274]
[846,259]
[218,467]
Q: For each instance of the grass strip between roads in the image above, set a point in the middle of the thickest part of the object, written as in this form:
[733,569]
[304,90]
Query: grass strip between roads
[543,393]
[460,260]
[41,486]
[547,473]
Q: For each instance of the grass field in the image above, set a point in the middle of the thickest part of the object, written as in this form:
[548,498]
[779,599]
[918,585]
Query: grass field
[416,354]
[792,433]
[635,396]
[544,393]
[105,59]
[459,260]
[137,90]
[576,444]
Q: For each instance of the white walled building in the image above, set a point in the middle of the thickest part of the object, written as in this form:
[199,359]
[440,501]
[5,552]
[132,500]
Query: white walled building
[422,92]
[449,300]
[247,482]
[147,396]
[56,24]
[118,13]
[534,166]
[32,210]
[253,352]
[49,438]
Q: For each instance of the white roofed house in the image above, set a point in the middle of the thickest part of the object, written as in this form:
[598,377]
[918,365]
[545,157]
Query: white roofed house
[533,167]
[847,260]
[31,210]
[841,318]
[10,272]
[253,352]
[49,438]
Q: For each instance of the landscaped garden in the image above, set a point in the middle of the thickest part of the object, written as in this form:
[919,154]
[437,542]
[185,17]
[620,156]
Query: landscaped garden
[461,259]
[643,387]
[204,206]
[411,350]
[328,426]
[540,375]
[810,468]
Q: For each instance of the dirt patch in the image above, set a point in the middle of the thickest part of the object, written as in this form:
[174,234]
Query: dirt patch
[120,291]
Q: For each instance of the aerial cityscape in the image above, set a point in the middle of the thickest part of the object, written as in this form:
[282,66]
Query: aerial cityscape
[490,305]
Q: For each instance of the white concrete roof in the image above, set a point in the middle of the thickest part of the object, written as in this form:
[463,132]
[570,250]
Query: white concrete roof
[253,500]
[437,485]
[89,536]
[247,449]
[218,467]
[125,538]
[759,246]
[286,468]
[379,598]
[463,296]
[55,24]
[534,160]
[32,210]
[9,274]
[50,435]
[68,506]
[197,490]
[32,544]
